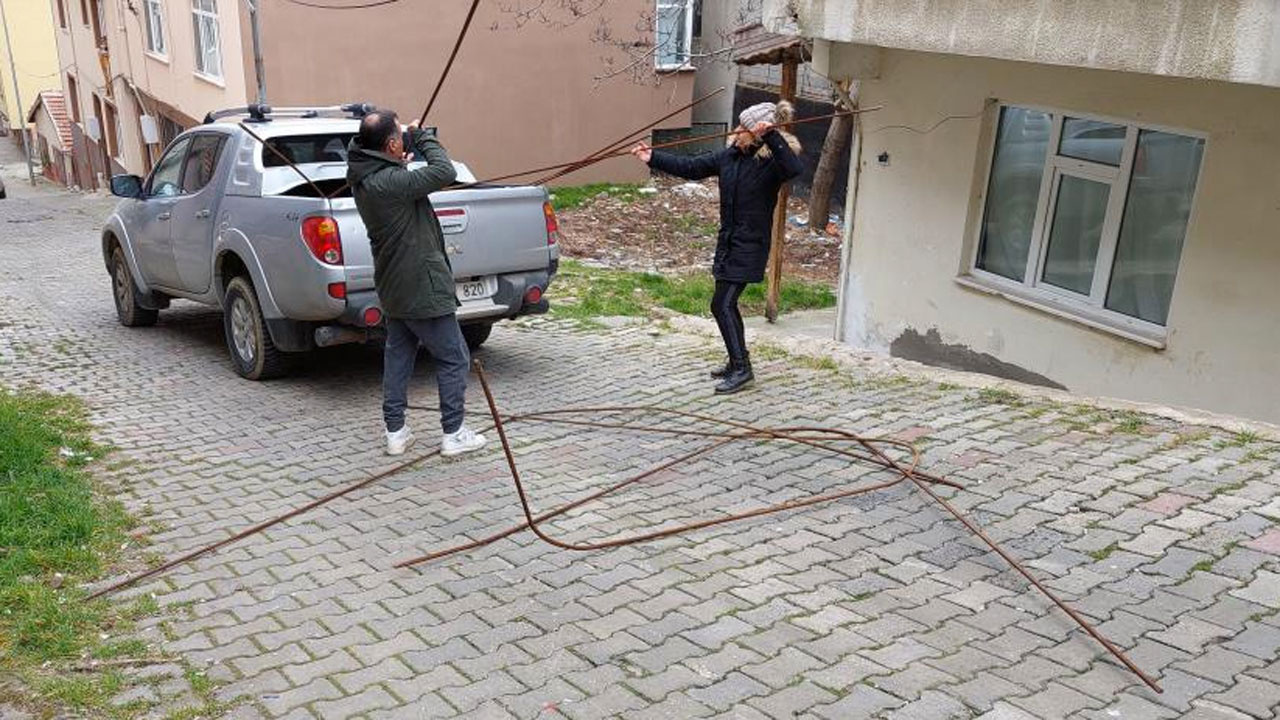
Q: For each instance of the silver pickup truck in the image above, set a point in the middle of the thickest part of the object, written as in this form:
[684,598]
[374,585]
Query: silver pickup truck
[221,220]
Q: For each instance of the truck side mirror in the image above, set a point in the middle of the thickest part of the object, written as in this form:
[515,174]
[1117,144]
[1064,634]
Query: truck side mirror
[126,186]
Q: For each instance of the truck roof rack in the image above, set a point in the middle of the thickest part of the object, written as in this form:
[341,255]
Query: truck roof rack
[259,113]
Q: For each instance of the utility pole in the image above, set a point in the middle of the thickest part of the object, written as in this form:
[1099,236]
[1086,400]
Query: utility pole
[17,95]
[258,70]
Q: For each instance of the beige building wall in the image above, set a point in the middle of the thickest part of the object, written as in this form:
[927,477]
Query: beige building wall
[1234,40]
[35,55]
[914,216]
[137,74]
[515,98]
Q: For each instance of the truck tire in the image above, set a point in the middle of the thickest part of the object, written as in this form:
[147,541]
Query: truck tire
[128,311]
[253,354]
[476,334]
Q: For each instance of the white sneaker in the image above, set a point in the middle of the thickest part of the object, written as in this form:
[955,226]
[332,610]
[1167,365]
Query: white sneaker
[399,441]
[465,440]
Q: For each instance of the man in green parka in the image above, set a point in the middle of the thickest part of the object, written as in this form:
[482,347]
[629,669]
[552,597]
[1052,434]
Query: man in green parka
[411,273]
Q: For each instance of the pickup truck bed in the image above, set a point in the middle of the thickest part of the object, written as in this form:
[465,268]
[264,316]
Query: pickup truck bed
[223,221]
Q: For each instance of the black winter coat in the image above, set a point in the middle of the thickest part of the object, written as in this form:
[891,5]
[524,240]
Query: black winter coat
[749,185]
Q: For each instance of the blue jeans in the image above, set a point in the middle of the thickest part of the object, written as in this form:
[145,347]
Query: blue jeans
[443,339]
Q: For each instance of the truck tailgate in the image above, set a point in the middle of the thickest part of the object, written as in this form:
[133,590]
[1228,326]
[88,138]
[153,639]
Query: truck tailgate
[493,230]
[487,231]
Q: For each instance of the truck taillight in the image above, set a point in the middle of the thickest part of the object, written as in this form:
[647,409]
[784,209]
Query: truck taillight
[553,227]
[322,238]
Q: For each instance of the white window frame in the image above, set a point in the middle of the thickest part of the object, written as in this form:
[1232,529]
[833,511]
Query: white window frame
[199,13]
[686,51]
[157,42]
[1089,310]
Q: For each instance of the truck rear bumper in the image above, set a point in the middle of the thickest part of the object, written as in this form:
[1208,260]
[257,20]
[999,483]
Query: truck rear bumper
[513,298]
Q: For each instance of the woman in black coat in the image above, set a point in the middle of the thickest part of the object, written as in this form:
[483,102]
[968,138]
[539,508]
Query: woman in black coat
[758,160]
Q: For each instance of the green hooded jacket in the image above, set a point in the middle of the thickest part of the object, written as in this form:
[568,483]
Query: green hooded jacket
[411,269]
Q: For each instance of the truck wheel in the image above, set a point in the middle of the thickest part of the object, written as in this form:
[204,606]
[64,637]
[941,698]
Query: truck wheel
[253,353]
[476,334]
[126,294]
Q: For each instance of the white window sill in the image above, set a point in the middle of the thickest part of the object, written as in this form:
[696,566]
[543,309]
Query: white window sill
[156,56]
[685,67]
[1092,317]
[212,80]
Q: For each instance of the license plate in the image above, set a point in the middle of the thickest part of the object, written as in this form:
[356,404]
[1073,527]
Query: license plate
[476,289]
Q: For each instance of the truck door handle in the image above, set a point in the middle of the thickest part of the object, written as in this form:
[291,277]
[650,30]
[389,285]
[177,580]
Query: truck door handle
[203,214]
[164,216]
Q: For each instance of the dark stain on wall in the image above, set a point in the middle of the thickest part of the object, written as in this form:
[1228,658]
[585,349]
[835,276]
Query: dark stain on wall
[930,350]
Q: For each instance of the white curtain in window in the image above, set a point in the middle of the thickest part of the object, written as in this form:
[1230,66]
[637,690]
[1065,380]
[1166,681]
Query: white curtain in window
[208,52]
[155,27]
[672,33]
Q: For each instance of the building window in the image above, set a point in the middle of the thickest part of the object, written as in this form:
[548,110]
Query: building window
[204,18]
[1088,215]
[73,97]
[155,27]
[62,14]
[84,12]
[99,17]
[111,130]
[673,31]
[201,162]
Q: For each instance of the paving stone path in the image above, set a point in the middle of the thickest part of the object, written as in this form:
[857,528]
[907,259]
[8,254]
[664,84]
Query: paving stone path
[1168,537]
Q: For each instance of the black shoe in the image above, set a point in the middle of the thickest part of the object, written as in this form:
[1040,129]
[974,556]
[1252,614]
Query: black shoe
[740,377]
[722,372]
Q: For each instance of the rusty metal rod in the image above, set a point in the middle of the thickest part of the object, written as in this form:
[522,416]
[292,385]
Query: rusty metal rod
[584,162]
[783,433]
[629,137]
[1022,570]
[449,65]
[285,158]
[186,557]
[724,438]
[657,534]
[488,540]
[905,473]
[611,146]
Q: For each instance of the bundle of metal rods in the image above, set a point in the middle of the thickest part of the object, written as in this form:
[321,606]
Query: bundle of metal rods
[824,439]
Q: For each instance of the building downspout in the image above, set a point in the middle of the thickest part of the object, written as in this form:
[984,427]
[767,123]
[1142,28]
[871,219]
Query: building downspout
[258,70]
[17,96]
[850,206]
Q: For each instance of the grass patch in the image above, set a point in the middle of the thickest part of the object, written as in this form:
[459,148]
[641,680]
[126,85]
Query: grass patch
[568,198]
[1202,566]
[1240,439]
[999,396]
[1186,438]
[947,387]
[1128,422]
[1105,552]
[587,292]
[55,534]
[1261,455]
[818,363]
[1228,488]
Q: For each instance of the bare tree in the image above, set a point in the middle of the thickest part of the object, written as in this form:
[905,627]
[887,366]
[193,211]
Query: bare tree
[825,175]
[631,52]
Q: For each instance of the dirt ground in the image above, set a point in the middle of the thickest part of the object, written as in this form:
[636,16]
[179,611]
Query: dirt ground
[672,227]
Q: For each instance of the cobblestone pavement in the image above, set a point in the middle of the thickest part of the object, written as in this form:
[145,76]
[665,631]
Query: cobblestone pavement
[1164,535]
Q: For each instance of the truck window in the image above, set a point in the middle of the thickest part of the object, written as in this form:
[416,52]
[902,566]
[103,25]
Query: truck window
[303,149]
[166,179]
[202,162]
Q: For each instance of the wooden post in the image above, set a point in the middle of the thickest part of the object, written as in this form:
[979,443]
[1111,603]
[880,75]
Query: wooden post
[774,274]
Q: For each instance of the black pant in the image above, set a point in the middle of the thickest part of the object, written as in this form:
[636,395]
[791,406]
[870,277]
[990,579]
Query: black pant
[724,308]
